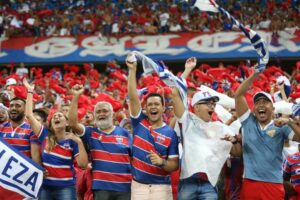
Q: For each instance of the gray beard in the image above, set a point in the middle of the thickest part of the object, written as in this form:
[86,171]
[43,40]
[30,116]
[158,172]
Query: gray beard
[104,124]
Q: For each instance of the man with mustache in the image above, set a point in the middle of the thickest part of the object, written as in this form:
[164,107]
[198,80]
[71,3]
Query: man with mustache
[18,133]
[110,150]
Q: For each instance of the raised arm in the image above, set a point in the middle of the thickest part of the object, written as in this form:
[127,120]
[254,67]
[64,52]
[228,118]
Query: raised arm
[177,103]
[241,105]
[134,102]
[77,90]
[190,64]
[35,124]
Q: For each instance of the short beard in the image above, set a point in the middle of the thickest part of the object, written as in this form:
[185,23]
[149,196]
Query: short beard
[104,123]
[18,118]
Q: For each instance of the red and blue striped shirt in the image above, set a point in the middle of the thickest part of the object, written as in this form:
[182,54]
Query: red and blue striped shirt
[59,161]
[162,141]
[110,154]
[20,138]
[291,168]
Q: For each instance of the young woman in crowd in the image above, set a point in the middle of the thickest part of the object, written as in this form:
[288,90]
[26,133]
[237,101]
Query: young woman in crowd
[59,149]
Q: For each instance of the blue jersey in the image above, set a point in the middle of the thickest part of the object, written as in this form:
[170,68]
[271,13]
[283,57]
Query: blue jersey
[110,158]
[162,141]
[262,149]
[59,161]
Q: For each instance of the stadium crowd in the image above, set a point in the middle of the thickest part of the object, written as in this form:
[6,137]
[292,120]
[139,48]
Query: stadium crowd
[53,95]
[85,17]
[120,134]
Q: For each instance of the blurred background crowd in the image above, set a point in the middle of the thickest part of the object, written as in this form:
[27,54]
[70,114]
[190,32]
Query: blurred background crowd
[117,17]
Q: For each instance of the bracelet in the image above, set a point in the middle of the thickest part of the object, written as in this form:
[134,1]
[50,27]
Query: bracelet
[31,92]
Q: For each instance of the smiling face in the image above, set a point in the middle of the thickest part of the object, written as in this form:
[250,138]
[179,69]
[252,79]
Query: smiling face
[154,109]
[17,110]
[263,110]
[205,109]
[58,121]
[103,115]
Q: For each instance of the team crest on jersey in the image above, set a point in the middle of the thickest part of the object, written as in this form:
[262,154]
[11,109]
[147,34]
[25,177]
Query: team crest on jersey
[21,135]
[67,145]
[119,140]
[271,133]
[160,139]
[100,137]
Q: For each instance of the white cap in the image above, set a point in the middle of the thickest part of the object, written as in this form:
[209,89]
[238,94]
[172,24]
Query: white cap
[262,94]
[203,96]
[11,81]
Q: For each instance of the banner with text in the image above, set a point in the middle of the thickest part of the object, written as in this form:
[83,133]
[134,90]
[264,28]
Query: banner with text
[18,173]
[222,45]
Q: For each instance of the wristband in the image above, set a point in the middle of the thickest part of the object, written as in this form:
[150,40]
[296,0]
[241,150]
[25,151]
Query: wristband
[31,92]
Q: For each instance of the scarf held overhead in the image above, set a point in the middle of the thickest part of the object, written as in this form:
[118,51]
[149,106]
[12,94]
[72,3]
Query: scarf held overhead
[255,39]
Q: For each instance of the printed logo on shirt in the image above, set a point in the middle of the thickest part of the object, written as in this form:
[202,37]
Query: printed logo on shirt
[100,137]
[271,133]
[67,145]
[119,140]
[160,139]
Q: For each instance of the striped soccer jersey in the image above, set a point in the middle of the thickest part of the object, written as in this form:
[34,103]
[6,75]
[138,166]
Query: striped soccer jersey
[20,138]
[291,168]
[110,154]
[162,141]
[59,161]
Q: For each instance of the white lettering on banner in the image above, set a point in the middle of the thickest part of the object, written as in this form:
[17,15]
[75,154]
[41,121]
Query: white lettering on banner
[210,43]
[285,40]
[2,54]
[17,174]
[157,44]
[97,47]
[52,48]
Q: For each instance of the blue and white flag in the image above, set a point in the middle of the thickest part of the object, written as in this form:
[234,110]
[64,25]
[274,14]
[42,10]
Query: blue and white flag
[255,39]
[18,173]
[164,74]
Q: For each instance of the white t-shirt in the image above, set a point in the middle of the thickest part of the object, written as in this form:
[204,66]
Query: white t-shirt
[203,149]
[21,72]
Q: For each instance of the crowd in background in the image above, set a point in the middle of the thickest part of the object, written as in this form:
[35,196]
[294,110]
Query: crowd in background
[53,91]
[31,18]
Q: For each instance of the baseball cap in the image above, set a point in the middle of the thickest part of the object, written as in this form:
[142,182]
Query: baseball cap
[264,95]
[203,96]
[11,81]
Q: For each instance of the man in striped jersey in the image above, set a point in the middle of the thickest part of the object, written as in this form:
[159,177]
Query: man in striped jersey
[155,151]
[110,150]
[18,133]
